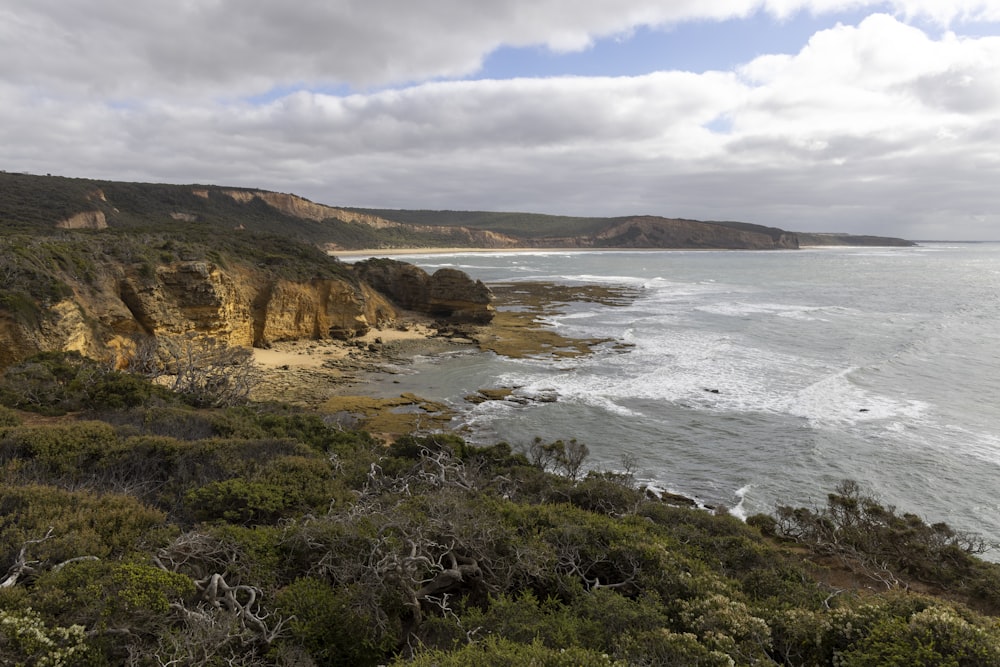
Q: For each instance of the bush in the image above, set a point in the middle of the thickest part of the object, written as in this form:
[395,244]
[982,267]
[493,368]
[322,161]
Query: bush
[605,493]
[287,486]
[106,594]
[77,524]
[58,452]
[54,383]
[888,547]
[499,652]
[325,625]
[236,501]
[934,636]
[25,639]
[8,417]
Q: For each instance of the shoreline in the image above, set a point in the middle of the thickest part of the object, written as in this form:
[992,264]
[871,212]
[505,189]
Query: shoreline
[331,376]
[381,252]
[403,252]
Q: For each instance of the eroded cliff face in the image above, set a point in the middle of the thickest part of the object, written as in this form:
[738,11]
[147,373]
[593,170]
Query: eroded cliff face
[84,220]
[240,306]
[247,308]
[303,208]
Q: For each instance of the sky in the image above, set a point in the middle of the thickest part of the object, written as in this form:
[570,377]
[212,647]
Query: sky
[856,116]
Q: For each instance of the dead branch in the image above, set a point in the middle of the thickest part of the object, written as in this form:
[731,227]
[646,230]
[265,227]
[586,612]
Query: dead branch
[22,566]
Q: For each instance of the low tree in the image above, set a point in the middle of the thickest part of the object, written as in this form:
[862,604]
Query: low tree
[207,371]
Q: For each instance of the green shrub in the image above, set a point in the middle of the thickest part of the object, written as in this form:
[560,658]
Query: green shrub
[25,639]
[55,383]
[935,636]
[663,647]
[499,652]
[59,451]
[256,554]
[326,625]
[879,543]
[237,501]
[8,417]
[605,493]
[598,620]
[77,523]
[413,446]
[107,594]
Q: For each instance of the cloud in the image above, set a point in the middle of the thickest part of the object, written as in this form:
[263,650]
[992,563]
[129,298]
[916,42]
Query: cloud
[233,48]
[876,127]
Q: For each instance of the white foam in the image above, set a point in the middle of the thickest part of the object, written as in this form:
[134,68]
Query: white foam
[738,510]
[836,399]
[743,309]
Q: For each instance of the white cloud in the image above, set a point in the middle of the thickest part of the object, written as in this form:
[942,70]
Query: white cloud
[870,127]
[230,48]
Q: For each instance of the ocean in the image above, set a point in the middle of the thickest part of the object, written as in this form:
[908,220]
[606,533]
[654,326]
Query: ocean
[754,379]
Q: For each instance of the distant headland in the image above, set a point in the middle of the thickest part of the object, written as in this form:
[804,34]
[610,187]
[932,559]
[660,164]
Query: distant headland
[29,202]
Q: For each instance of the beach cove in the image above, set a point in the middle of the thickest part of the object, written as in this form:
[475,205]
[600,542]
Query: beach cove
[339,377]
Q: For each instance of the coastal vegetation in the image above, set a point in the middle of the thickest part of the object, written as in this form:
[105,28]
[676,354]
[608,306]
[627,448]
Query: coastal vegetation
[42,203]
[140,527]
[151,513]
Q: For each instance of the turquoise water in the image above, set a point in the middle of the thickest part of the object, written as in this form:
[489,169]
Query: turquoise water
[880,365]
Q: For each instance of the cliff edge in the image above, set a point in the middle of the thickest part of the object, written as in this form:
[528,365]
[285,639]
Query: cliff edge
[101,293]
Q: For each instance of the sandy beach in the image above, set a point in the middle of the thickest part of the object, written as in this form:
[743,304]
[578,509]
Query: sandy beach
[328,375]
[384,252]
[319,353]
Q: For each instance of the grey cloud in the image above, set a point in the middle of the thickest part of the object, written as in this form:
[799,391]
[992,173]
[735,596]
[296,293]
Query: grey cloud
[960,89]
[231,48]
[154,92]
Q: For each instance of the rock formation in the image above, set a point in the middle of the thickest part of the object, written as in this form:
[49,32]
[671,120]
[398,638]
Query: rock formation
[84,220]
[447,293]
[299,207]
[240,305]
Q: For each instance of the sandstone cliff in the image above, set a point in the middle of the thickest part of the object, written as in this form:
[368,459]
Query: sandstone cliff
[299,207]
[239,304]
[84,220]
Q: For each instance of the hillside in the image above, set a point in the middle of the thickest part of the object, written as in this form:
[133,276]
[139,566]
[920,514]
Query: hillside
[637,231]
[153,514]
[807,239]
[148,531]
[29,202]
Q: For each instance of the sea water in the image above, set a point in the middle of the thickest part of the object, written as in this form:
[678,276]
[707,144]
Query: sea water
[753,379]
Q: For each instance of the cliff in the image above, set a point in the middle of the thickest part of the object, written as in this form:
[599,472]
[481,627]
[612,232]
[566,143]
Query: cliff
[47,203]
[69,295]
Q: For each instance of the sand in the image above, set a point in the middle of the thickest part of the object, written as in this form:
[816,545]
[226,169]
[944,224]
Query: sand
[318,353]
[329,375]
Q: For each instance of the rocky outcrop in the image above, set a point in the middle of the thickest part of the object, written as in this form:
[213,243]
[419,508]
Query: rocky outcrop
[64,328]
[84,220]
[239,305]
[246,308]
[454,295]
[447,293]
